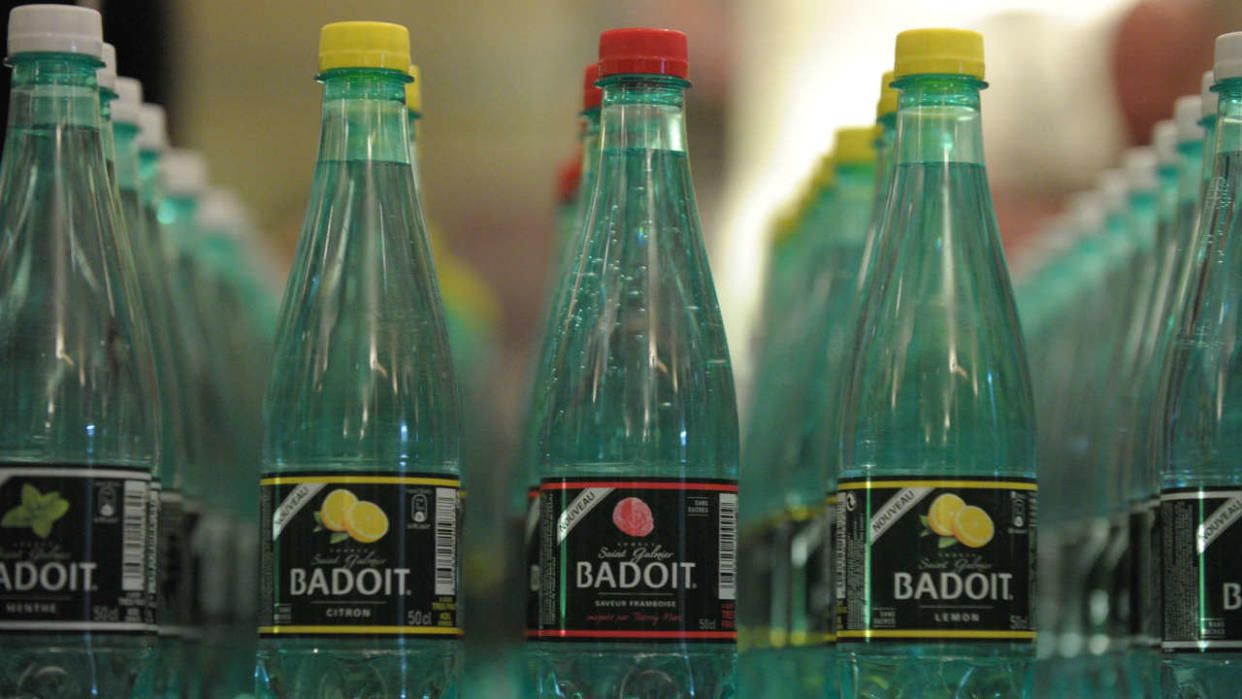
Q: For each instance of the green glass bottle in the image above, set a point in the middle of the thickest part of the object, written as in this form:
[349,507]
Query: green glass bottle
[81,414]
[177,415]
[524,494]
[1143,487]
[1201,484]
[937,494]
[830,319]
[360,499]
[638,489]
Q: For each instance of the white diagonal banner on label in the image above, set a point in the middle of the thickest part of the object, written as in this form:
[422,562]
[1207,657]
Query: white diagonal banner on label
[577,509]
[886,516]
[533,512]
[1218,522]
[292,504]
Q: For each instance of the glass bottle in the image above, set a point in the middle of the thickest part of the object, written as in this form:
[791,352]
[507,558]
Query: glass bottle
[568,244]
[80,413]
[638,457]
[824,352]
[938,420]
[1201,484]
[361,448]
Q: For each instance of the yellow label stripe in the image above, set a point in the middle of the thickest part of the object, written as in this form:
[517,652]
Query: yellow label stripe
[937,633]
[411,630]
[802,638]
[801,514]
[407,480]
[1007,485]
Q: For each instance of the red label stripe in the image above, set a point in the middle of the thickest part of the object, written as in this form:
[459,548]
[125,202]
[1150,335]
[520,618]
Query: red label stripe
[641,485]
[667,635]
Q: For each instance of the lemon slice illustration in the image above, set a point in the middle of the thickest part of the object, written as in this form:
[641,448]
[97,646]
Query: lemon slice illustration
[973,527]
[366,522]
[332,512]
[943,513]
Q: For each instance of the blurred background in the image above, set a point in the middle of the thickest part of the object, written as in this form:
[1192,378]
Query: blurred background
[1073,82]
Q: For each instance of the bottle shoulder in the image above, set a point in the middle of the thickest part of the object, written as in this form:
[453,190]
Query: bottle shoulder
[362,364]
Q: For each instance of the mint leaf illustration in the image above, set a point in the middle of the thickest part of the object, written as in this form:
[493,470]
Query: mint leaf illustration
[318,522]
[947,541]
[37,511]
[56,510]
[42,527]
[338,538]
[30,496]
[17,517]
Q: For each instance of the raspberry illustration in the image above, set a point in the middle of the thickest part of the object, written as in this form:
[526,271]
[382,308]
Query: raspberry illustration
[633,517]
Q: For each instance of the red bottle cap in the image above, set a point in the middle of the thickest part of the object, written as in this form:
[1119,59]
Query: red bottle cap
[567,176]
[591,95]
[643,51]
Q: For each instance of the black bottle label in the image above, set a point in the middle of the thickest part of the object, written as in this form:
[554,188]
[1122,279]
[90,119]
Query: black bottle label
[173,560]
[74,549]
[812,594]
[641,559]
[530,546]
[192,574]
[1202,588]
[938,559]
[350,555]
[1143,586]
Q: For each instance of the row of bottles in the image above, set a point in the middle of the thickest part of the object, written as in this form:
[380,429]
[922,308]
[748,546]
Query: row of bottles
[890,474]
[1129,307]
[134,333]
[888,529]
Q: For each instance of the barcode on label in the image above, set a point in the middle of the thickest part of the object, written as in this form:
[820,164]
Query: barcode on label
[134,536]
[446,541]
[727,581]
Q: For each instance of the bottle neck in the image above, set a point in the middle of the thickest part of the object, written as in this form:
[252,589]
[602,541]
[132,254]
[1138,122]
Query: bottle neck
[149,178]
[643,112]
[54,91]
[1228,137]
[1190,169]
[125,136]
[883,161]
[107,128]
[1141,218]
[364,116]
[590,151]
[938,120]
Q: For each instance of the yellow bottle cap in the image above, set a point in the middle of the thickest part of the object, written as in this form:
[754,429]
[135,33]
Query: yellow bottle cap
[783,228]
[825,176]
[942,51]
[414,91]
[855,144]
[888,96]
[364,45]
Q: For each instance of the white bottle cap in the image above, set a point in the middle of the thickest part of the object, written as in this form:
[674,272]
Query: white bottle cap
[106,76]
[1228,62]
[183,172]
[128,104]
[152,132]
[1187,112]
[1087,211]
[220,211]
[1139,164]
[1113,191]
[1210,99]
[55,29]
[1164,142]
